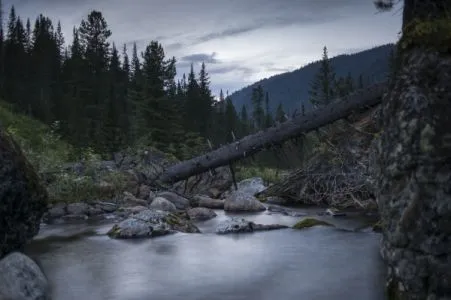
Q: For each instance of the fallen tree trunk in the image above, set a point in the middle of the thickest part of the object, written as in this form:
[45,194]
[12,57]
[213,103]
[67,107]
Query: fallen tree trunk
[276,135]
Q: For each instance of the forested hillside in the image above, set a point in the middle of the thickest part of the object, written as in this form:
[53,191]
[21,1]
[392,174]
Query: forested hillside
[291,89]
[100,100]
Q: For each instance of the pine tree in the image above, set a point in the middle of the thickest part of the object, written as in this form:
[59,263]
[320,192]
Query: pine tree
[322,89]
[268,117]
[94,34]
[258,113]
[280,114]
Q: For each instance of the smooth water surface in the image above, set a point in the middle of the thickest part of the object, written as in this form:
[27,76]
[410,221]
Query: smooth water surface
[313,264]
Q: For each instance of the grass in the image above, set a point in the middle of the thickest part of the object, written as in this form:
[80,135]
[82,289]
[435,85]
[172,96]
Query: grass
[48,153]
[269,175]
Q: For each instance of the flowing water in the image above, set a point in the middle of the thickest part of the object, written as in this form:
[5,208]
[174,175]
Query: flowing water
[313,264]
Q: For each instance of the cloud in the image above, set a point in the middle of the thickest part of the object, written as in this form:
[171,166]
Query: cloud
[200,57]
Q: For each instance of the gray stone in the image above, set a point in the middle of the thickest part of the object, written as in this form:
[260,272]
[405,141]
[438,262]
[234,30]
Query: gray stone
[201,214]
[151,223]
[179,201]
[251,186]
[22,279]
[239,201]
[160,203]
[77,208]
[57,211]
[239,225]
[203,201]
[130,200]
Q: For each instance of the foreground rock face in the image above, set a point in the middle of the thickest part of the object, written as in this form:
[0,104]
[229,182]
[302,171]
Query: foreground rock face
[151,223]
[22,279]
[241,202]
[237,225]
[413,173]
[23,200]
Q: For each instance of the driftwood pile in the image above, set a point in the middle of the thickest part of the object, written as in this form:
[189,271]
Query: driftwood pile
[338,174]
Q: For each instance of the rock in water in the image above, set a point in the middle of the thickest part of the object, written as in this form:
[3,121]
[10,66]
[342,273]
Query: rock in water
[238,201]
[23,200]
[201,214]
[237,225]
[151,223]
[22,279]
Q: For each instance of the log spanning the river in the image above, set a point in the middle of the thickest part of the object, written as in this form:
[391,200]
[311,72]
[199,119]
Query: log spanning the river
[275,135]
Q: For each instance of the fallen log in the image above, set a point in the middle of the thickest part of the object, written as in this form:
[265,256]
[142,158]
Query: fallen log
[276,135]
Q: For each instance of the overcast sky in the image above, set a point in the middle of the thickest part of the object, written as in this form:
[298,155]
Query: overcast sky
[241,41]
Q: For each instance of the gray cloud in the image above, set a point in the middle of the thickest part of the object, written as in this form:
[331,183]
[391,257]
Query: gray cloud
[200,57]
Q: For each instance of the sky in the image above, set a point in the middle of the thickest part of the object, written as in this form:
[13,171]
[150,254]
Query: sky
[240,41]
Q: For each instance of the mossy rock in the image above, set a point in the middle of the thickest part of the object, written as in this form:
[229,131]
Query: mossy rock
[310,222]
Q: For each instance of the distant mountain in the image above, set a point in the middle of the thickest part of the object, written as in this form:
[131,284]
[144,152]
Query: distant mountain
[291,88]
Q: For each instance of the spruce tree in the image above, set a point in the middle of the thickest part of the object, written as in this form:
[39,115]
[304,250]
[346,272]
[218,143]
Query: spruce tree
[322,90]
[258,113]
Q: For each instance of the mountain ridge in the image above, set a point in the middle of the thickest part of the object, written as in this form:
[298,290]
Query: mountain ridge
[291,88]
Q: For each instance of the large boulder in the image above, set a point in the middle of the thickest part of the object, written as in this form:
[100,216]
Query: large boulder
[23,200]
[242,202]
[22,279]
[251,186]
[151,223]
[180,202]
[160,203]
[204,201]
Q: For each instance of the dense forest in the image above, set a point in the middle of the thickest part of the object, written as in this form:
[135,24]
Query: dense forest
[97,97]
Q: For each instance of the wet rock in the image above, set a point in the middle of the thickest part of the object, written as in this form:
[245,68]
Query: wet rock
[310,222]
[77,208]
[201,214]
[241,202]
[251,186]
[204,201]
[151,223]
[160,203]
[23,200]
[130,200]
[107,207]
[22,279]
[239,225]
[179,201]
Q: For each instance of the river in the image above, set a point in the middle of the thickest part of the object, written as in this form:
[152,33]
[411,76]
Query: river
[314,264]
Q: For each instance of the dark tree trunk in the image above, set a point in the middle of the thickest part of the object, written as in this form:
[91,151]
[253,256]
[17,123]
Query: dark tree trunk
[275,135]
[413,169]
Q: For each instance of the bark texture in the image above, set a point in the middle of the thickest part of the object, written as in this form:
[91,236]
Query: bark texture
[413,168]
